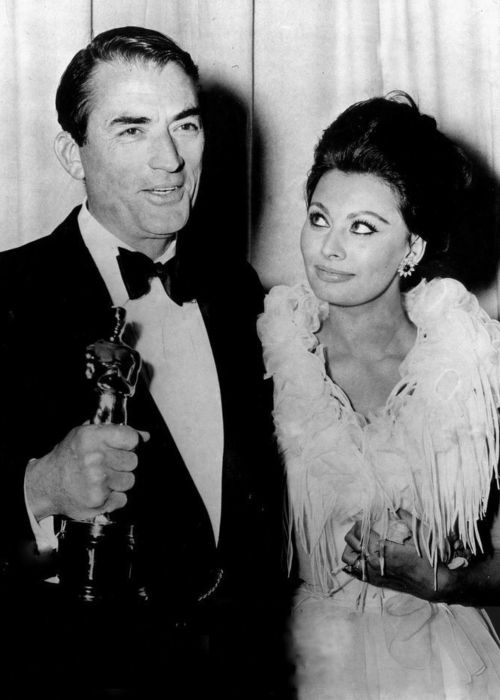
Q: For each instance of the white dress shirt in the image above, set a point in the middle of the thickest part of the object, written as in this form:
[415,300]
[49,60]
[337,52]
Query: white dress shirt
[178,365]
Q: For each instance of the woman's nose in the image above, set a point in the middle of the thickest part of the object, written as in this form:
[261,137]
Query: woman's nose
[333,246]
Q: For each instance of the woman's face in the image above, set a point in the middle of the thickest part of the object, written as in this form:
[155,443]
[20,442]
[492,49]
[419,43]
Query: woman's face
[354,239]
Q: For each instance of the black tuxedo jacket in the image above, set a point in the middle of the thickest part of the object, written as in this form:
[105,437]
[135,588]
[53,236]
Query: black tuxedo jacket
[53,303]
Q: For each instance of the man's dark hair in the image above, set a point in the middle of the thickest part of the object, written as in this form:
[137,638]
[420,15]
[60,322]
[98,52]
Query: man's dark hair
[130,44]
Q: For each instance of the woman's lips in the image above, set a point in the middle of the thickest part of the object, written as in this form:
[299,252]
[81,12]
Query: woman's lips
[327,274]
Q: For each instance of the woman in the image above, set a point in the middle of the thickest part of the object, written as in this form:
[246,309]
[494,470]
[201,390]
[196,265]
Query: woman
[385,402]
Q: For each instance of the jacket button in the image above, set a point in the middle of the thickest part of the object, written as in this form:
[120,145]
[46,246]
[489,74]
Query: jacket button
[4,567]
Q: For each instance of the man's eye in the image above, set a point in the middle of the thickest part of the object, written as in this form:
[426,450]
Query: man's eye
[189,126]
[318,220]
[130,131]
[363,228]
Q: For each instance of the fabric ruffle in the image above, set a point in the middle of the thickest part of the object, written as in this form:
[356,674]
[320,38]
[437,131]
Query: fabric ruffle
[432,449]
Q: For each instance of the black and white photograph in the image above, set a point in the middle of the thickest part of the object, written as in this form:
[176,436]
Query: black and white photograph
[250,349]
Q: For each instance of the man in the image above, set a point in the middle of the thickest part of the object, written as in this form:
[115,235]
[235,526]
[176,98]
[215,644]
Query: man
[195,468]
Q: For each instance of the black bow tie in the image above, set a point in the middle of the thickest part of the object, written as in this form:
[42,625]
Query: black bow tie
[137,270]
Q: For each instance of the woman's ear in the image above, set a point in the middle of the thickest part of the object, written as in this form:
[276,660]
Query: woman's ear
[417,247]
[68,154]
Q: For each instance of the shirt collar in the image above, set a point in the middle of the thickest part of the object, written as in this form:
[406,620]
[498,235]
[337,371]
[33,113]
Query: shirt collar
[103,247]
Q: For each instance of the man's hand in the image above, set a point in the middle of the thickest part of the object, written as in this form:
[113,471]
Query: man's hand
[405,569]
[86,474]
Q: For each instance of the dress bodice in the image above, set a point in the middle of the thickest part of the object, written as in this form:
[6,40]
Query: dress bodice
[431,449]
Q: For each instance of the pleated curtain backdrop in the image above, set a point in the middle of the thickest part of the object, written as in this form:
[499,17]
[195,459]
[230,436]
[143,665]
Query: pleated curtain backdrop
[284,69]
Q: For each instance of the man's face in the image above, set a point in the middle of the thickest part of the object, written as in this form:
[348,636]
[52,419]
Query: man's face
[142,157]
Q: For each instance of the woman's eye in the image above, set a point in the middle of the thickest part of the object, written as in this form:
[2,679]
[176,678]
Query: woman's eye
[362,227]
[318,220]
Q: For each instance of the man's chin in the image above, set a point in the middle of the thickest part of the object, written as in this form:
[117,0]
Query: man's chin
[169,226]
[168,230]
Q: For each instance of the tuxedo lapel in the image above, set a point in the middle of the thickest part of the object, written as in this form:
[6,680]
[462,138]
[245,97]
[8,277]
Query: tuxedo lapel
[218,317]
[251,475]
[167,471]
[78,281]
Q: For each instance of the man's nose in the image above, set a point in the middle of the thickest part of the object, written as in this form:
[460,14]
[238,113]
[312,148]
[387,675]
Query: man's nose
[164,154]
[333,245]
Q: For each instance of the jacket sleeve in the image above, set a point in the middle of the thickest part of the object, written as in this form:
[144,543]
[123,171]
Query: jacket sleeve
[18,551]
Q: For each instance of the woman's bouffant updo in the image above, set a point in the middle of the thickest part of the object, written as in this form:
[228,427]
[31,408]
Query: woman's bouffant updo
[390,138]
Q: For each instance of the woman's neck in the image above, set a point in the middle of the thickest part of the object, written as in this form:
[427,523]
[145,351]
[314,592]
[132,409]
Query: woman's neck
[373,330]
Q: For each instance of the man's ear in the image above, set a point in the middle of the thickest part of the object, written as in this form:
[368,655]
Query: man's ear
[417,247]
[68,154]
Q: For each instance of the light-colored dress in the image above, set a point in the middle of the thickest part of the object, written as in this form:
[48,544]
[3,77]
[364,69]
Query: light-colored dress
[432,449]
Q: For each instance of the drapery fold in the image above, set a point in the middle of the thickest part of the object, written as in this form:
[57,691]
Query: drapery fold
[287,68]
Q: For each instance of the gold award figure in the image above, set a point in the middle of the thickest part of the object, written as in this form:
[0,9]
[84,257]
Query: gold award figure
[96,557]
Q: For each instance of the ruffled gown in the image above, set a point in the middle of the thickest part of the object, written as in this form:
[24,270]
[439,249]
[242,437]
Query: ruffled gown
[432,450]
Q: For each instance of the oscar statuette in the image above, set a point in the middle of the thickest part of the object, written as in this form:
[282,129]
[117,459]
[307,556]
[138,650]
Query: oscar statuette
[96,557]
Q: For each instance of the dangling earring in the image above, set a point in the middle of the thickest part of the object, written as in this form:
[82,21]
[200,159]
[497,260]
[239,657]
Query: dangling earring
[407,266]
